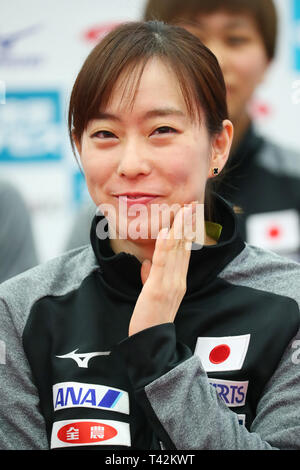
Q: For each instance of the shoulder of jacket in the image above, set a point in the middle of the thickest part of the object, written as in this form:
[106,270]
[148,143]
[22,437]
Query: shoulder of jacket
[264,270]
[55,277]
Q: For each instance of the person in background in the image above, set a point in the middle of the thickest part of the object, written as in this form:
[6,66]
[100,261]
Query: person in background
[17,246]
[262,179]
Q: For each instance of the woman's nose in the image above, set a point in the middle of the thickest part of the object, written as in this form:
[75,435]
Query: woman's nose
[133,161]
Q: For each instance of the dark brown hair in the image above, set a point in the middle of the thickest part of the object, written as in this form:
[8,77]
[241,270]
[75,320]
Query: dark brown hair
[126,50]
[176,11]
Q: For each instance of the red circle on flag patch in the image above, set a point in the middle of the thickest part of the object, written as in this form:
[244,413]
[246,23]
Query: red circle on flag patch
[274,232]
[219,354]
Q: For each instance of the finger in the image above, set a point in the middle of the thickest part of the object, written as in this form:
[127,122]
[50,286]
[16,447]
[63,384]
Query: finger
[179,256]
[169,244]
[170,260]
[160,251]
[182,227]
[145,270]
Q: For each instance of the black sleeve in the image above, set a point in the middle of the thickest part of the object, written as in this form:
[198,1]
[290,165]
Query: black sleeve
[148,355]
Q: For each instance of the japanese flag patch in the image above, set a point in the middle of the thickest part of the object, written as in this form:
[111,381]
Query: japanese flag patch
[278,231]
[222,353]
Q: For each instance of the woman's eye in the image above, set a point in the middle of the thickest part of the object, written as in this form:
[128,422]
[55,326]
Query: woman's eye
[103,134]
[237,40]
[165,130]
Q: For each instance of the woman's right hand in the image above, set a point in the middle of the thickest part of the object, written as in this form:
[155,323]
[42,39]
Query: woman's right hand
[164,278]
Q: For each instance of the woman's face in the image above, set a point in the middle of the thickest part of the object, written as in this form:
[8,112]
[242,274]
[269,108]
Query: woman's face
[152,148]
[239,48]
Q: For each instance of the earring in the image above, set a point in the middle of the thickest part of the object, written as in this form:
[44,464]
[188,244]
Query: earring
[216,171]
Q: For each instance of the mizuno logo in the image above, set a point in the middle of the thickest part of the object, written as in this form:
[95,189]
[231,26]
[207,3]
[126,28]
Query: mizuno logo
[9,40]
[82,359]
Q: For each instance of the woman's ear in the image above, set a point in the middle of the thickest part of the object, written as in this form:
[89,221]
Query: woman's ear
[221,144]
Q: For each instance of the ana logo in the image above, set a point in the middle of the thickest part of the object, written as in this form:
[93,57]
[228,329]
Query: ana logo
[75,394]
[82,359]
[8,43]
[82,432]
[222,353]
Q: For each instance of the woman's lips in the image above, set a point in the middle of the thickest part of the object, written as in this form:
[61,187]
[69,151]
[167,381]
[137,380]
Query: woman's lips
[131,200]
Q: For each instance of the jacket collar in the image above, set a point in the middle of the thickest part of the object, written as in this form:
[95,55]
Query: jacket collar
[121,272]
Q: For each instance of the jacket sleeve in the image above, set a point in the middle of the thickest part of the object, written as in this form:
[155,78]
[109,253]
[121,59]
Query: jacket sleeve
[185,410]
[22,426]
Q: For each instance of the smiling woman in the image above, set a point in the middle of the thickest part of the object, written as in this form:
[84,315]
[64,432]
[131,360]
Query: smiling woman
[150,116]
[196,79]
[152,342]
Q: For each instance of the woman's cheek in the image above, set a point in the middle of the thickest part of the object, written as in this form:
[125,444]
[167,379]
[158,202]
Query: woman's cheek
[95,170]
[178,175]
[181,165]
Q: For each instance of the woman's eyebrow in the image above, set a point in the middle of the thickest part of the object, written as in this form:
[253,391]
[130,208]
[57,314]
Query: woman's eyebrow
[149,114]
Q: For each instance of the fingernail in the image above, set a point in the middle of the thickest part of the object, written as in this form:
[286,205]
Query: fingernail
[188,209]
[164,233]
[194,206]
